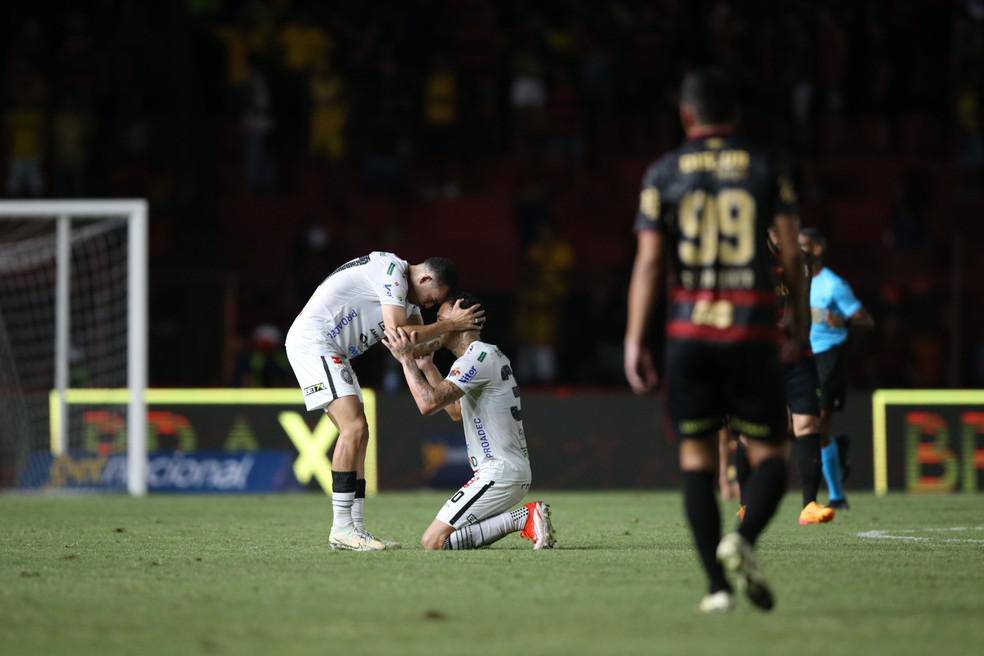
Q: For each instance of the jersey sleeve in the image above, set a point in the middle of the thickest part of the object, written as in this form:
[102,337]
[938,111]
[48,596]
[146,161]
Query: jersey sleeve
[844,299]
[389,281]
[470,372]
[649,215]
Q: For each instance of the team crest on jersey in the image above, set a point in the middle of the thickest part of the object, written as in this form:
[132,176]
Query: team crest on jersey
[347,376]
[336,359]
[319,387]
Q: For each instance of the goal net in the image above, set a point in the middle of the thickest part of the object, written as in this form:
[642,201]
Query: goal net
[73,309]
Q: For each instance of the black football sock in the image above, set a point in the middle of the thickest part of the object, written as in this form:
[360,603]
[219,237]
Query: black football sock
[342,497]
[705,523]
[742,470]
[766,485]
[808,462]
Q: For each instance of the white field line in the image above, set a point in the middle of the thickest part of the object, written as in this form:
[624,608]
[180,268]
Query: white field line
[899,534]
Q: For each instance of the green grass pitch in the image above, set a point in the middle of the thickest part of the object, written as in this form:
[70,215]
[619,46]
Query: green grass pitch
[253,575]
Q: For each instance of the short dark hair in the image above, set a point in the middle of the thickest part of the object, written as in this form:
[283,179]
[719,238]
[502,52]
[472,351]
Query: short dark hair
[467,298]
[444,271]
[814,235]
[711,96]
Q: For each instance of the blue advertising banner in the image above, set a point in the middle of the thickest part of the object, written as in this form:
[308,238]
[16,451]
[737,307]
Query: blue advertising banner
[172,471]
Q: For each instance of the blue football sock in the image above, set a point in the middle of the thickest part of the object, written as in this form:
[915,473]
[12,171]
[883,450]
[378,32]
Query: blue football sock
[832,471]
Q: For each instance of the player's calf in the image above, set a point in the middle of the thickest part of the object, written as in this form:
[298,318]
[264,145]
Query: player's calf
[532,521]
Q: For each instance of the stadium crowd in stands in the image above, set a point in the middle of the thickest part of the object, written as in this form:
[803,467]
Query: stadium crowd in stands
[276,139]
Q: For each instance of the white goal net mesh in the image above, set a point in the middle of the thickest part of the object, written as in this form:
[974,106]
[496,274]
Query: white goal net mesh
[97,353]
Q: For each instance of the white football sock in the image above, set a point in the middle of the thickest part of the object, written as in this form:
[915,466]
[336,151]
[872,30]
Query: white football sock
[487,531]
[357,519]
[341,506]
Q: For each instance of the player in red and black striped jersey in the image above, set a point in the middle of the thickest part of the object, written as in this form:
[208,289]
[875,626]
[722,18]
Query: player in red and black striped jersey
[709,205]
[802,394]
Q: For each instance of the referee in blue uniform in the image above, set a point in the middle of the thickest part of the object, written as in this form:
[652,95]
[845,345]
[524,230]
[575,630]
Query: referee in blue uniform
[834,309]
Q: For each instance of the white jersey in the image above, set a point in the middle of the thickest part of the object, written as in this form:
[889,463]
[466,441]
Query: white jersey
[491,410]
[345,313]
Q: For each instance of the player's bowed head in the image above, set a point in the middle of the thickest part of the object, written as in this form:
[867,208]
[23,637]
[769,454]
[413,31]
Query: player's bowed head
[431,281]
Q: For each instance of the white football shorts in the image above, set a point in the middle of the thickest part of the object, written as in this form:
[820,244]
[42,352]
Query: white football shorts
[322,376]
[495,488]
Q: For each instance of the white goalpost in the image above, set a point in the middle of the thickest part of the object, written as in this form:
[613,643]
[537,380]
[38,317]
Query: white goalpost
[73,313]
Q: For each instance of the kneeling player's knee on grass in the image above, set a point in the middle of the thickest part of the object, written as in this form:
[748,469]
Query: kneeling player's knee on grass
[432,542]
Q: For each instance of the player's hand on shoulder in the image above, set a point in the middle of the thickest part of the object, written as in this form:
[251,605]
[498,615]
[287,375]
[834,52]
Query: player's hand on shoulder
[640,370]
[468,318]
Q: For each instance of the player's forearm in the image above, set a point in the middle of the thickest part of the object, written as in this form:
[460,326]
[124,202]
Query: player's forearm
[420,388]
[642,296]
[861,321]
[421,350]
[432,331]
[431,373]
[434,377]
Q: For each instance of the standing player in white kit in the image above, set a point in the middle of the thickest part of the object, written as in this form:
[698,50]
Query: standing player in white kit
[480,389]
[345,316]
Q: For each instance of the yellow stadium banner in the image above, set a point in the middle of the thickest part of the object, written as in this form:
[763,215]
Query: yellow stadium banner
[928,440]
[209,420]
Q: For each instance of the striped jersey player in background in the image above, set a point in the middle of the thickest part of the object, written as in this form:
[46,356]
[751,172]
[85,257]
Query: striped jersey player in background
[708,205]
[480,391]
[802,398]
[347,314]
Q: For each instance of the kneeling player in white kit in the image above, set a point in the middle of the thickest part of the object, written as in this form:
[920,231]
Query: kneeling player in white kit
[345,316]
[481,390]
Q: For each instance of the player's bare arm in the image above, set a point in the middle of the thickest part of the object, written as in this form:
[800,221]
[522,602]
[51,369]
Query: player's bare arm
[434,377]
[639,368]
[424,349]
[429,398]
[861,320]
[458,320]
[787,228]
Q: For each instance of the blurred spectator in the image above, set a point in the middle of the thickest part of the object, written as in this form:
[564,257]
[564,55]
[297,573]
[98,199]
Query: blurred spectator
[264,362]
[329,114]
[565,141]
[528,93]
[440,99]
[542,296]
[970,136]
[257,131]
[71,133]
[24,125]
[305,44]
